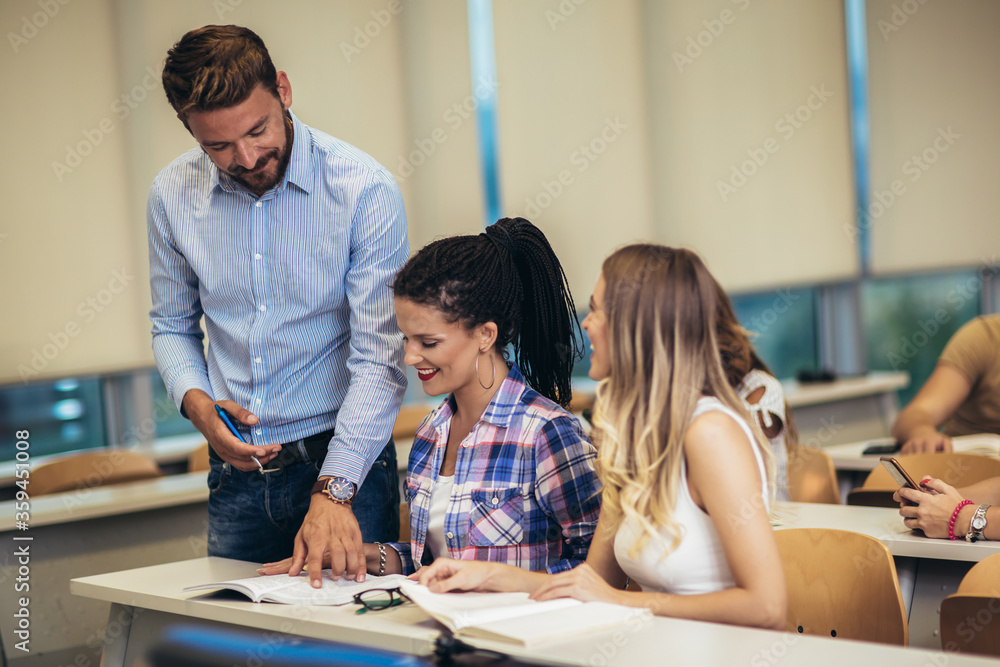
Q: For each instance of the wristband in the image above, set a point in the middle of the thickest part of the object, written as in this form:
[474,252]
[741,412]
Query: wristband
[381,559]
[954,518]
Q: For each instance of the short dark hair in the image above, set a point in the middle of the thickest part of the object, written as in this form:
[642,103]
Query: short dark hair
[216,66]
[508,275]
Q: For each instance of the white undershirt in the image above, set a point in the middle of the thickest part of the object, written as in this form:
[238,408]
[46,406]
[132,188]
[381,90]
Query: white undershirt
[440,494]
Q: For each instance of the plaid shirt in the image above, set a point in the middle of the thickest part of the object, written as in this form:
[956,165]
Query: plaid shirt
[525,490]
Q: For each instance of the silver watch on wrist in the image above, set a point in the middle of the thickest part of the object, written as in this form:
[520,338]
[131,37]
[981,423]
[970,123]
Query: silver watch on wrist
[978,525]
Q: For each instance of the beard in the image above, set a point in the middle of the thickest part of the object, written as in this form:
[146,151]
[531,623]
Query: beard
[261,181]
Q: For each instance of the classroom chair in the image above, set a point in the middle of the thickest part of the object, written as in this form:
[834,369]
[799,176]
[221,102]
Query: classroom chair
[198,459]
[812,477]
[841,584]
[408,420]
[970,618]
[952,467]
[88,469]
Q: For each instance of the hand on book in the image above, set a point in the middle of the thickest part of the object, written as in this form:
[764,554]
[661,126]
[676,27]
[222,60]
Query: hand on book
[446,574]
[582,583]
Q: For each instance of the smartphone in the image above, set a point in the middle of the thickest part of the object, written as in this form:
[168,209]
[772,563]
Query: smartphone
[898,473]
[229,423]
[879,447]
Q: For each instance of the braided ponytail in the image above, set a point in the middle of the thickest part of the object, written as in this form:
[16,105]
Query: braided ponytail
[508,275]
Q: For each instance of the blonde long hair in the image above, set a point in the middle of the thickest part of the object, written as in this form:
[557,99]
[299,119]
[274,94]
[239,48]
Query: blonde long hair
[661,313]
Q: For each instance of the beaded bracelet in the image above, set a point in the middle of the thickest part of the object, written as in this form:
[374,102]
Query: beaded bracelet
[381,557]
[954,518]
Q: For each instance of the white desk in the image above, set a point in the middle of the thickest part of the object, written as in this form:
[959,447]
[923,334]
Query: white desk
[147,599]
[845,410]
[84,532]
[929,570]
[849,456]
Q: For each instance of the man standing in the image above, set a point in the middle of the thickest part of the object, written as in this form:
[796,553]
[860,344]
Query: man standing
[285,240]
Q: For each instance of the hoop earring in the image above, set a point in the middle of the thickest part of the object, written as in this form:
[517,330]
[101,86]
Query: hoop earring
[493,365]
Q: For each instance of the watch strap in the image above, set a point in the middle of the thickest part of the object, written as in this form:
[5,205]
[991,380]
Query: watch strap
[320,485]
[977,527]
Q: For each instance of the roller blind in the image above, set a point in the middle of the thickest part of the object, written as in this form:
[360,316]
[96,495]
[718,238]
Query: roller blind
[749,136]
[72,281]
[934,95]
[573,128]
[93,128]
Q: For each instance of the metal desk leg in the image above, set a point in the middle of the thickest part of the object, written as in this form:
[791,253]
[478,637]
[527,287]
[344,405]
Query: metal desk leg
[117,634]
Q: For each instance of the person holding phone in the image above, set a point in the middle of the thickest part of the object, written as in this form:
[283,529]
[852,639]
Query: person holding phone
[284,240]
[962,395]
[942,511]
[500,471]
[685,473]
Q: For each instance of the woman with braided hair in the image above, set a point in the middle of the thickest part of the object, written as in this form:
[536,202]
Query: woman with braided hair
[500,471]
[686,475]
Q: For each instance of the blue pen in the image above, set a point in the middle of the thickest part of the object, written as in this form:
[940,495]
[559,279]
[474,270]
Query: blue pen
[232,429]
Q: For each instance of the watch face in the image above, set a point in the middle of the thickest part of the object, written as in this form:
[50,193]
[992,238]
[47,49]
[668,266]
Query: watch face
[340,488]
[979,522]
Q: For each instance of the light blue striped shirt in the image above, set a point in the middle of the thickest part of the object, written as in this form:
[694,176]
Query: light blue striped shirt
[294,287]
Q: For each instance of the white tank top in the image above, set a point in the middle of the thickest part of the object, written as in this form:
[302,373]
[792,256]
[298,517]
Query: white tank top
[440,496]
[698,565]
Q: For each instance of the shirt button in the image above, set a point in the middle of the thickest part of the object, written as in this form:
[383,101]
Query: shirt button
[257,361]
[450,535]
[258,204]
[258,401]
[496,501]
[257,256]
[259,431]
[263,307]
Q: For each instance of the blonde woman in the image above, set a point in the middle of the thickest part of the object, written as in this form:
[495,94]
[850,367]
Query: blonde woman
[686,490]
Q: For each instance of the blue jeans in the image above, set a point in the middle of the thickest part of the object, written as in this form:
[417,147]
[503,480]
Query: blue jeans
[255,517]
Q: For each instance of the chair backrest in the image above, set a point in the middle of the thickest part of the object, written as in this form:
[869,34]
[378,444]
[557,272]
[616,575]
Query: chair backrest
[91,468]
[952,467]
[812,477]
[408,420]
[198,459]
[970,619]
[841,584]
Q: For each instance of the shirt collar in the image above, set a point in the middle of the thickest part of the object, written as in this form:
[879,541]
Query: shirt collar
[298,172]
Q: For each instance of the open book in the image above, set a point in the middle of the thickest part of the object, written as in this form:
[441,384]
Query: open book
[513,618]
[296,590]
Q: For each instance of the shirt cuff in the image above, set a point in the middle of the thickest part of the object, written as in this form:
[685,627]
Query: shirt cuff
[183,385]
[405,557]
[342,462]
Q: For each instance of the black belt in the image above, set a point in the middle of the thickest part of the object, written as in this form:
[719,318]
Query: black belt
[314,447]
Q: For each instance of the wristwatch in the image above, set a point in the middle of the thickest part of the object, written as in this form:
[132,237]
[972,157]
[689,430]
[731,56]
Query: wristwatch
[338,489]
[977,525]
